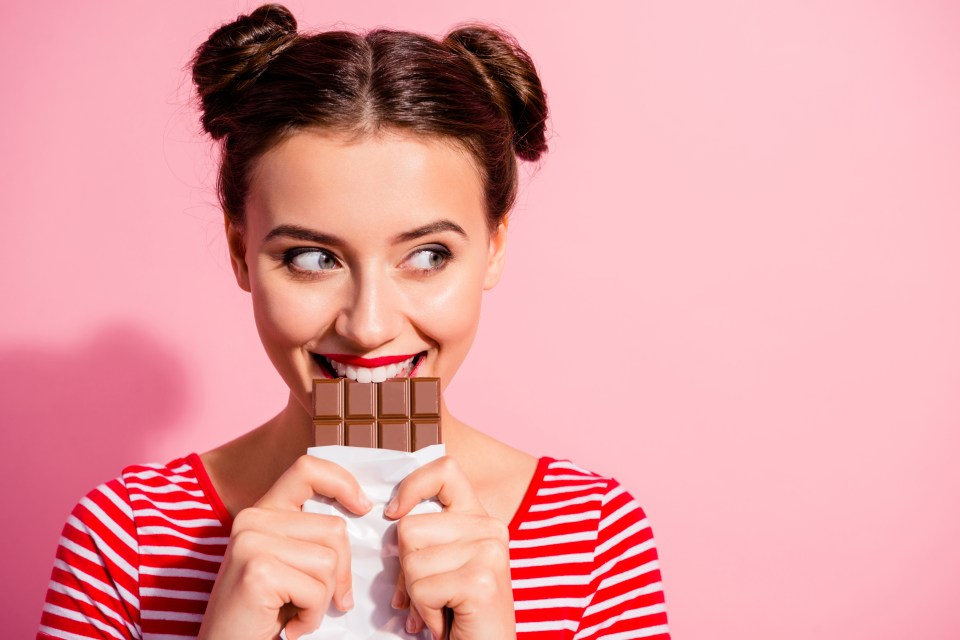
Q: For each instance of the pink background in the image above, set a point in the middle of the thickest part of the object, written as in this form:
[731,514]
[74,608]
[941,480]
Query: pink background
[744,243]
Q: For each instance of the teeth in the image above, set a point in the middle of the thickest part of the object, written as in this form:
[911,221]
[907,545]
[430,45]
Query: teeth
[376,374]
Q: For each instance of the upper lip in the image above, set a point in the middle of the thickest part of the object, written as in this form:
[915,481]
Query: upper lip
[370,363]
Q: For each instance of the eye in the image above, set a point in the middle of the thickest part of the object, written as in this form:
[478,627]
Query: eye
[432,258]
[310,259]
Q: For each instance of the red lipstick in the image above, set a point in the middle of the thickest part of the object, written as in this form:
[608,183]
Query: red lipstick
[368,363]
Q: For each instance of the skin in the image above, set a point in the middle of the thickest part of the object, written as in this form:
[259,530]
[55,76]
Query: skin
[366,290]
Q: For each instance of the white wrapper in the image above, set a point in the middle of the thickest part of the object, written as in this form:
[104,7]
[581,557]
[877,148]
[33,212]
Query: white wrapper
[373,541]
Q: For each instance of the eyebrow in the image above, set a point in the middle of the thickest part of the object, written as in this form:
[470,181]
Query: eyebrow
[297,232]
[433,227]
[303,233]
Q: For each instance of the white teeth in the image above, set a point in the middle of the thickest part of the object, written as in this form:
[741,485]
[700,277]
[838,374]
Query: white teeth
[376,374]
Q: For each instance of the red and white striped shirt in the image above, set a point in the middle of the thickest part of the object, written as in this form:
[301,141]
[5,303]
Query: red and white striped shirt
[139,556]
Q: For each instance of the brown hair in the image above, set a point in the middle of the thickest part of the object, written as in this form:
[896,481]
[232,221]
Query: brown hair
[259,81]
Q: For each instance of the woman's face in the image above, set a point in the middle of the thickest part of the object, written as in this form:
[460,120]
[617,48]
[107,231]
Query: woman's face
[365,259]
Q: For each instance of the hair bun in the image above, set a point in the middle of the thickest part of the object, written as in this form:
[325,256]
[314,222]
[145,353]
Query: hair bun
[234,56]
[510,73]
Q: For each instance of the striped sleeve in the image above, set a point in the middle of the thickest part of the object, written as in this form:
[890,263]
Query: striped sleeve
[627,596]
[93,591]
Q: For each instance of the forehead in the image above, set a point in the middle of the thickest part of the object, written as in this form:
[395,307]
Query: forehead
[390,181]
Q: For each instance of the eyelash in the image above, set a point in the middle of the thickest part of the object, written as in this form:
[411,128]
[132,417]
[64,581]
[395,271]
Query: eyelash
[291,254]
[439,249]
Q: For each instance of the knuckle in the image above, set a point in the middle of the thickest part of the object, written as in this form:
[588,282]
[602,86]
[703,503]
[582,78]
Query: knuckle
[415,589]
[246,520]
[246,543]
[410,564]
[499,531]
[304,465]
[327,560]
[338,527]
[483,581]
[448,465]
[405,527]
[256,572]
[491,551]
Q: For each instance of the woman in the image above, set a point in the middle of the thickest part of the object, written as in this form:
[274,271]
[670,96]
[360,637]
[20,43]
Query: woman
[365,182]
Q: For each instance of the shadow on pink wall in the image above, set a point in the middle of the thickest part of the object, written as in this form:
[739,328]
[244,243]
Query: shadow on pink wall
[71,418]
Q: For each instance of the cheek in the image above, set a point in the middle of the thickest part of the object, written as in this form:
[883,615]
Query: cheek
[450,313]
[287,315]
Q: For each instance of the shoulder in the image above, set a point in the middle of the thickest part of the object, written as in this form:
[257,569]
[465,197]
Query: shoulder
[572,510]
[110,535]
[105,516]
[96,571]
[580,537]
[106,520]
[175,472]
[179,490]
[559,482]
[625,589]
[163,483]
[564,498]
[616,516]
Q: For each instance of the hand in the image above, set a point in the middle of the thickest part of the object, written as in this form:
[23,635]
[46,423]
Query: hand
[458,559]
[282,567]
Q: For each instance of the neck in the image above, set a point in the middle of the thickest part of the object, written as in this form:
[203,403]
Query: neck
[287,436]
[242,470]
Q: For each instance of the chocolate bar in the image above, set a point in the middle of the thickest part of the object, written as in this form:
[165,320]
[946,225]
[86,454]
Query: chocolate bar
[402,414]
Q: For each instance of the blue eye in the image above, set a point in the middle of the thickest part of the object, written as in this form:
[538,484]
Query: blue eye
[429,258]
[305,259]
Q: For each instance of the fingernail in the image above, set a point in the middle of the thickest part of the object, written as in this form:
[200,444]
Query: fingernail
[365,501]
[410,626]
[391,507]
[397,602]
[348,600]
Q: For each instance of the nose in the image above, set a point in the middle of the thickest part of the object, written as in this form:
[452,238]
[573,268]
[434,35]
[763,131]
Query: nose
[371,316]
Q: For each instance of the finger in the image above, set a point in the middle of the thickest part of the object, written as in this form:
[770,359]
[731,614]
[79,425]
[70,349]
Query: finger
[441,478]
[400,598]
[428,597]
[311,597]
[414,623]
[256,550]
[309,476]
[474,593]
[490,554]
[430,529]
[309,527]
